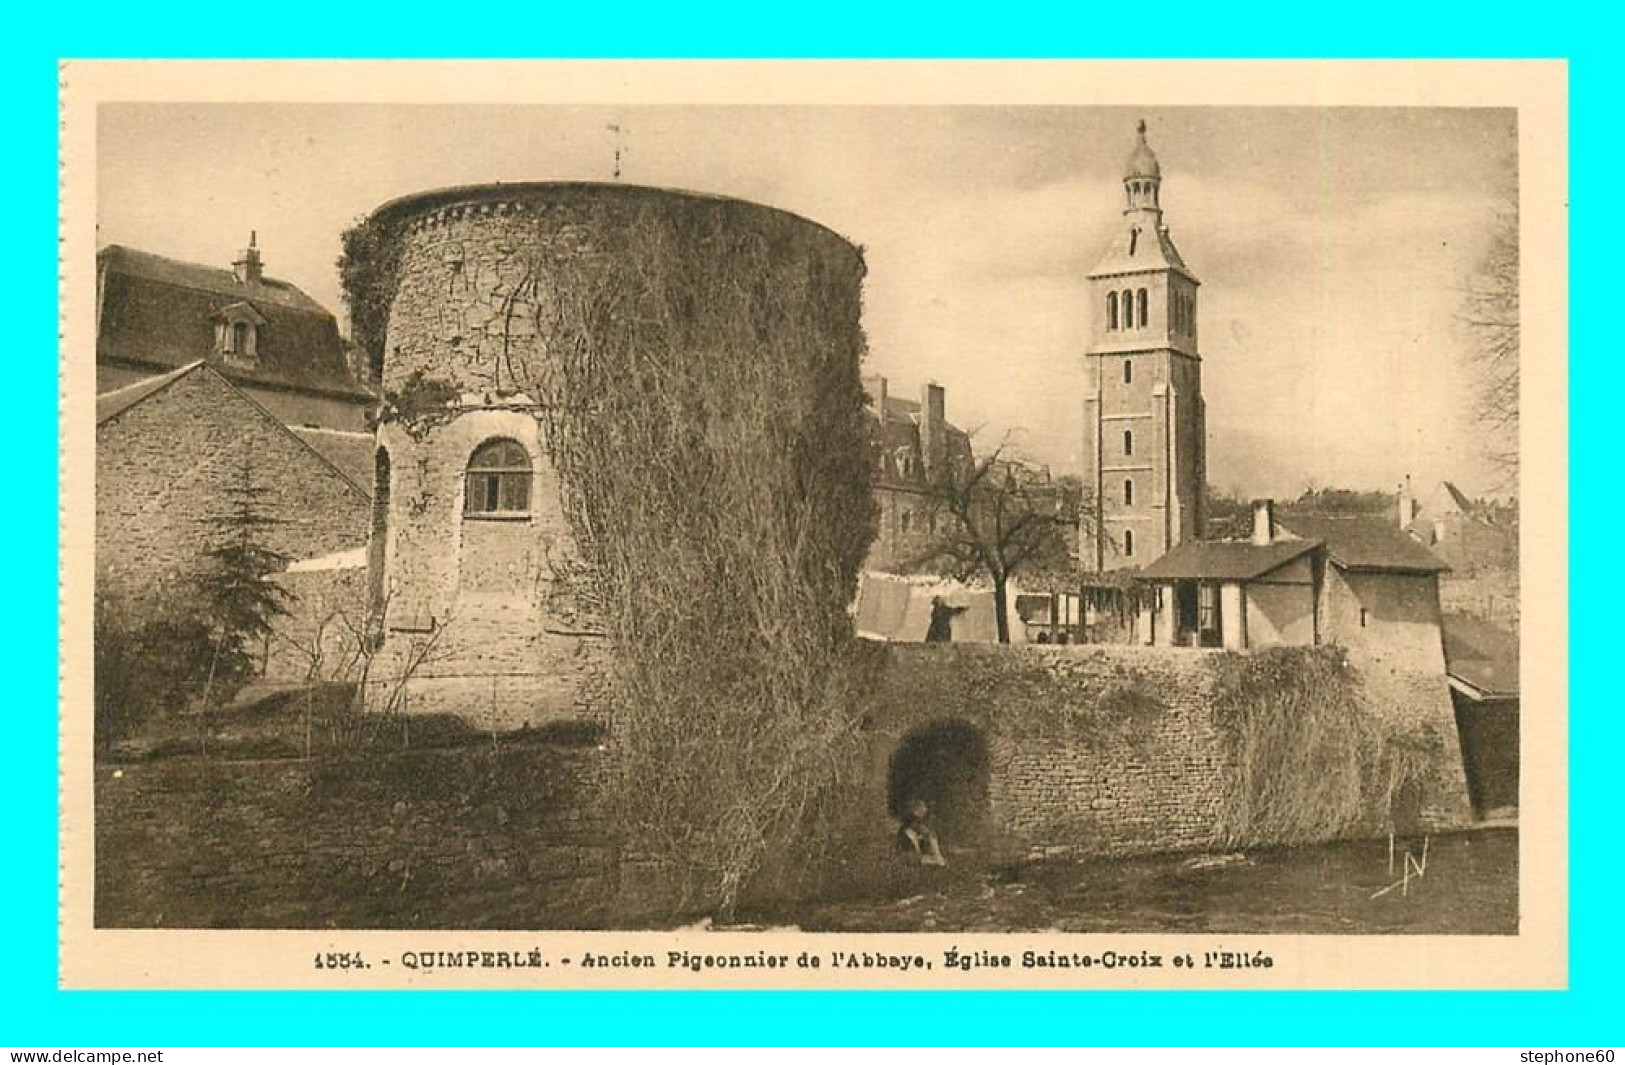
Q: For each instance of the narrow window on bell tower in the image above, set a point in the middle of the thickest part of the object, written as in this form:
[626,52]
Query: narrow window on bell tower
[1145,318]
[1128,441]
[1111,310]
[1128,371]
[1128,493]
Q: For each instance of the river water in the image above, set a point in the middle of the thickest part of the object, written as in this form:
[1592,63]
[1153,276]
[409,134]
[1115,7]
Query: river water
[1469,886]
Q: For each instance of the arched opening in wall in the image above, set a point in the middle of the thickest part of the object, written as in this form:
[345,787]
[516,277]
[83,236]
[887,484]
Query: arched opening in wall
[378,537]
[1111,310]
[947,766]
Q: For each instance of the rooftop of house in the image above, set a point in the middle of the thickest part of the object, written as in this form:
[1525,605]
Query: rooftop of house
[1448,496]
[899,424]
[1364,544]
[1225,560]
[110,405]
[162,313]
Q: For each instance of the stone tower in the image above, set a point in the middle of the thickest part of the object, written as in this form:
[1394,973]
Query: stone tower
[484,597]
[1144,424]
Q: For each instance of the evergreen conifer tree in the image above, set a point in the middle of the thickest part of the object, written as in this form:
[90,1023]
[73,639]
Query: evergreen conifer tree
[235,601]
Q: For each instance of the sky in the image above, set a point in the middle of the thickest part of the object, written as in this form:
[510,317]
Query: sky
[1332,243]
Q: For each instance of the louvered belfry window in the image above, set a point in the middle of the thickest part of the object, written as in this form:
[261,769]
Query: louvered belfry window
[498,481]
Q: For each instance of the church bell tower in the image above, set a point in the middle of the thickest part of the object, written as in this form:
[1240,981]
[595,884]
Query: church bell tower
[1144,446]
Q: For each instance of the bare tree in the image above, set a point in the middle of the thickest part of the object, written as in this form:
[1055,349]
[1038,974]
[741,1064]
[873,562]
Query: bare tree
[1003,517]
[1490,314]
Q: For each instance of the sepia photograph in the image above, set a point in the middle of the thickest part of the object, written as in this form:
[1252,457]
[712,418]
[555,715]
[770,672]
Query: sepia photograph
[791,522]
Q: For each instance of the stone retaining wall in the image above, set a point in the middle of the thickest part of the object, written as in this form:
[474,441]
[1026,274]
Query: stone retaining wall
[433,839]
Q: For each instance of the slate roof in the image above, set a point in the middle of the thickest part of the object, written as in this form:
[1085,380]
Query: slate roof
[351,452]
[900,430]
[161,312]
[1481,655]
[1365,544]
[1153,250]
[1225,560]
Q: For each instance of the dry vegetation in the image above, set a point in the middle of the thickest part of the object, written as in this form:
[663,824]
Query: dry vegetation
[699,374]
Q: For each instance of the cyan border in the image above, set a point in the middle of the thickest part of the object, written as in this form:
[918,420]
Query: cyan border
[32,1012]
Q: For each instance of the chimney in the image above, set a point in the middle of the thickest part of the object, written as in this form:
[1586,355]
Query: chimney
[933,430]
[247,266]
[1263,522]
[1407,503]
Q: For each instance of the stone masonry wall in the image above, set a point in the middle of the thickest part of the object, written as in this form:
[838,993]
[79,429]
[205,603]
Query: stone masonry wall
[496,603]
[165,467]
[1099,749]
[430,839]
[1103,750]
[506,601]
[1092,751]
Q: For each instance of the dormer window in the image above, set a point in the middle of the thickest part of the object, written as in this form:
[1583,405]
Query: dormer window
[236,334]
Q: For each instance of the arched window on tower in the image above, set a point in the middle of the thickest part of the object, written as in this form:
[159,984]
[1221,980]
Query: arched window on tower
[1128,371]
[498,481]
[1128,441]
[1128,308]
[1145,317]
[1128,542]
[1111,310]
[1134,240]
[1128,492]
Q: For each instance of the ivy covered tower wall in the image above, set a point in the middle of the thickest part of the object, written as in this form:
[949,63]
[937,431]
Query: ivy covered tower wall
[523,327]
